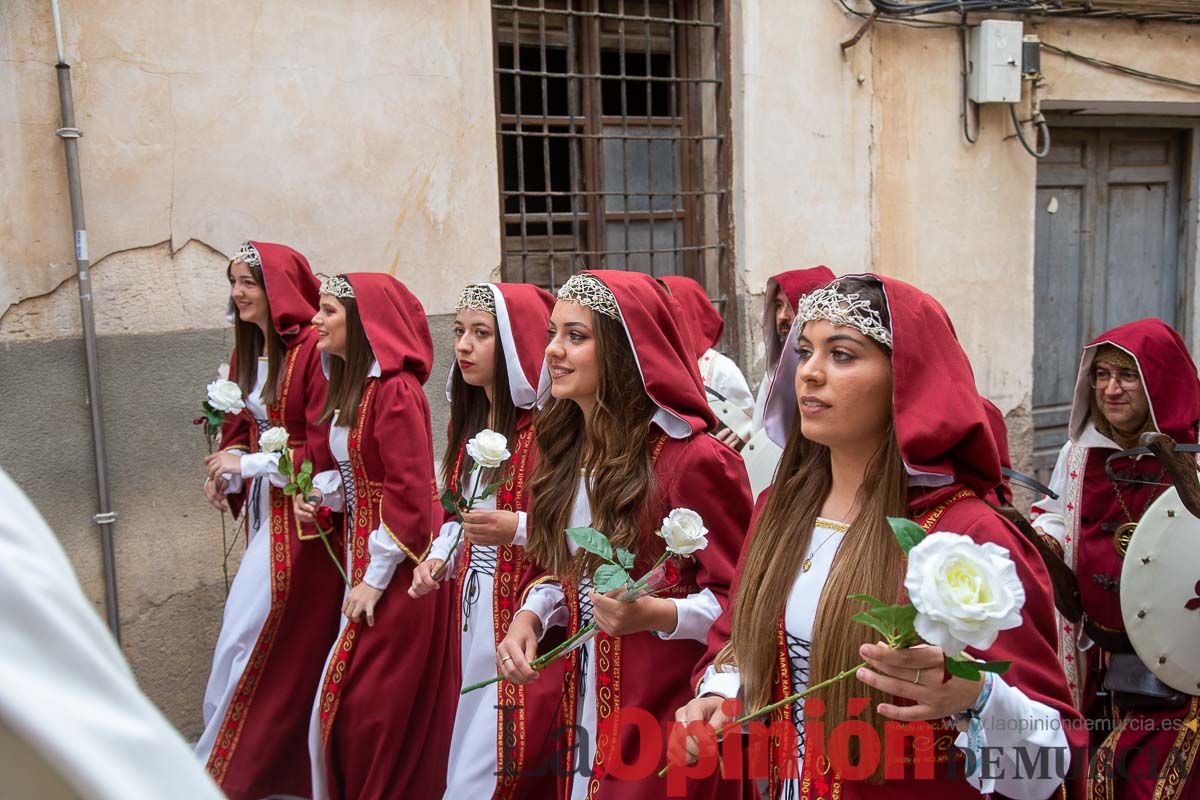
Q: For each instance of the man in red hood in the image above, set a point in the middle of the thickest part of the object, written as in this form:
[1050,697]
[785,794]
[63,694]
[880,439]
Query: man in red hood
[1135,378]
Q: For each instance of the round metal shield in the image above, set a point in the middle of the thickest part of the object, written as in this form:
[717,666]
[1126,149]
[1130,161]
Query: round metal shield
[1160,593]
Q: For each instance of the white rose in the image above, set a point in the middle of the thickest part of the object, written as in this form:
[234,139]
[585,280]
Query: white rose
[225,395]
[965,593]
[684,532]
[273,440]
[488,449]
[223,372]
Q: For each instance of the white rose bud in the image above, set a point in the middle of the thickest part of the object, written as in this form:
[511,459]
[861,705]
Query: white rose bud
[223,372]
[684,532]
[273,440]
[965,593]
[488,449]
[225,395]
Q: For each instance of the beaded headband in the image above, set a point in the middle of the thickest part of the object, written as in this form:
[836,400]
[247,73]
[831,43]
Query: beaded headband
[479,297]
[850,310]
[337,286]
[1115,356]
[247,254]
[589,292]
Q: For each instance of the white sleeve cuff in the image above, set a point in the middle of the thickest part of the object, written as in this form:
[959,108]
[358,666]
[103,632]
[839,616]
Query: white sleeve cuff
[548,603]
[444,548]
[724,681]
[694,615]
[234,482]
[329,484]
[1052,524]
[386,555]
[521,537]
[1018,729]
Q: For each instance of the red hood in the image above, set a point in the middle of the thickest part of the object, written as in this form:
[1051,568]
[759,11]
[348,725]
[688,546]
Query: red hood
[705,324]
[941,422]
[795,283]
[1168,373]
[292,289]
[522,317]
[395,323]
[664,355]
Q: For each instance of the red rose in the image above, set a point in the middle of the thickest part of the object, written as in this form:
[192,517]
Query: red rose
[324,518]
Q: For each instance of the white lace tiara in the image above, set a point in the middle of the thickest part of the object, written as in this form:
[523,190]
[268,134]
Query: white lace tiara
[851,310]
[589,292]
[336,286]
[247,254]
[477,296]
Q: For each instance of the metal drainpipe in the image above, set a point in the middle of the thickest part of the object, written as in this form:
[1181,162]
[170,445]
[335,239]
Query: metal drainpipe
[106,517]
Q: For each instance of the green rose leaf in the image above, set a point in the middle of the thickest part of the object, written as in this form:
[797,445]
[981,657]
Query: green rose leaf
[448,501]
[895,623]
[609,577]
[963,668]
[873,602]
[306,468]
[291,489]
[907,532]
[592,541]
[625,558]
[491,489]
[998,667]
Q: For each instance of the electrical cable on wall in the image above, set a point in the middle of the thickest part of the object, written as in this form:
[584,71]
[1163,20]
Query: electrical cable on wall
[1040,125]
[967,105]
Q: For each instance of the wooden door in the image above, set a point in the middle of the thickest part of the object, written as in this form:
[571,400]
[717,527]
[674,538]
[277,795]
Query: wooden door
[1108,250]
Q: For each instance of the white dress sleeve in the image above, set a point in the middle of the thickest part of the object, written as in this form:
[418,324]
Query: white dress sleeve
[726,378]
[256,464]
[694,615]
[386,555]
[1049,515]
[521,537]
[725,681]
[1016,731]
[329,484]
[445,548]
[549,604]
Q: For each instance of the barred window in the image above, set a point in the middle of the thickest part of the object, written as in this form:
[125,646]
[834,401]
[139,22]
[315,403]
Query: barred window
[612,130]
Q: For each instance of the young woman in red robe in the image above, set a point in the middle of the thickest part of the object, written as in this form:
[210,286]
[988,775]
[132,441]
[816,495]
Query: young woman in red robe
[277,624]
[382,718]
[622,441]
[877,409]
[499,339]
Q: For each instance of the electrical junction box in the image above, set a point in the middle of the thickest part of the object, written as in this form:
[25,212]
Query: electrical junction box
[995,62]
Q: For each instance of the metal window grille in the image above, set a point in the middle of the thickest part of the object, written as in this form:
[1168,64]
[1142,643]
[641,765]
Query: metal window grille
[612,131]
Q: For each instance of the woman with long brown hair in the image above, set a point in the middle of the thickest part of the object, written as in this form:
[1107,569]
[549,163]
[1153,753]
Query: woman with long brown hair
[875,405]
[381,722]
[499,338]
[276,626]
[622,441]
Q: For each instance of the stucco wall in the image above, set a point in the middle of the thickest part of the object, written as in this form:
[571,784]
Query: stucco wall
[362,134]
[857,160]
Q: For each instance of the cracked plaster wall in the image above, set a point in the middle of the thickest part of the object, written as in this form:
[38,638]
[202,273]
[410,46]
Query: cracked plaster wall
[362,134]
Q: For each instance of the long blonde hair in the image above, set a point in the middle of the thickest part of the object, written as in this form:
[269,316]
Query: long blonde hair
[869,561]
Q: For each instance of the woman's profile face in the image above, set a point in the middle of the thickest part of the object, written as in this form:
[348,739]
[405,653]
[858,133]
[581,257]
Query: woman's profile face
[475,346]
[843,387]
[330,322]
[248,296]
